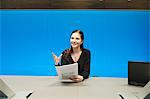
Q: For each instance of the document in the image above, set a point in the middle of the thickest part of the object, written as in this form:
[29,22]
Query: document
[66,71]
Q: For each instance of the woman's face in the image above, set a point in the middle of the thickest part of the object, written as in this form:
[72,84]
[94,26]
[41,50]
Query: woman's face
[76,40]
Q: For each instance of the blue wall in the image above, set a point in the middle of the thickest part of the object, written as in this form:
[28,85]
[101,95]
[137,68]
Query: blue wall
[113,36]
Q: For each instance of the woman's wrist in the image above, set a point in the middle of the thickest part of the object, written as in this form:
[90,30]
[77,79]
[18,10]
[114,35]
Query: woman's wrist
[77,78]
[56,63]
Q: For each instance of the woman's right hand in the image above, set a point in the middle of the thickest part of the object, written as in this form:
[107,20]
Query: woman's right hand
[56,59]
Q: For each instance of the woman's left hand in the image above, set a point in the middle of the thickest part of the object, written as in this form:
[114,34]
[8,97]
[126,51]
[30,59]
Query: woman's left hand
[77,78]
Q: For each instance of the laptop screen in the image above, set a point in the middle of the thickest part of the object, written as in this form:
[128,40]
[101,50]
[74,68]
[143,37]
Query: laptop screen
[138,73]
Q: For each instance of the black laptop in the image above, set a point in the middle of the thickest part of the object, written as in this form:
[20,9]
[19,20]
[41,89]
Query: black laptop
[138,73]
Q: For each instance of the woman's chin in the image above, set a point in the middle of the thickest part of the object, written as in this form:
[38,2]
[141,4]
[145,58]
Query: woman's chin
[74,46]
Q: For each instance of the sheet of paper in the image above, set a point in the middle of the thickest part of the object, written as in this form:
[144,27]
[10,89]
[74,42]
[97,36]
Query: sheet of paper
[66,71]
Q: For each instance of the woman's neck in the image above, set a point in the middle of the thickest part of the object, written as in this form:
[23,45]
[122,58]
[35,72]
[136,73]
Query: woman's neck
[76,50]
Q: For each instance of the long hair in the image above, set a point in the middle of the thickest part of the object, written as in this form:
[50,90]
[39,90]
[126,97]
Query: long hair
[82,37]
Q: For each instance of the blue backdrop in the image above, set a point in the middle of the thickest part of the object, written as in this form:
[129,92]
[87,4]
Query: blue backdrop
[113,36]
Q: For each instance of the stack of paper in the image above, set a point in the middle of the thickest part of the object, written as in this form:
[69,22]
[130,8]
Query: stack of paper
[66,71]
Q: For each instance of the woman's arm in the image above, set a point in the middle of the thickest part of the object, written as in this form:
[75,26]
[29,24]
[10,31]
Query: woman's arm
[86,66]
[65,59]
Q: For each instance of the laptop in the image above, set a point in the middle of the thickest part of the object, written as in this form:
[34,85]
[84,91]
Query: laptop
[7,93]
[144,94]
[138,73]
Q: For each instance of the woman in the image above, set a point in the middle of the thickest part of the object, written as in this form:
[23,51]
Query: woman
[76,54]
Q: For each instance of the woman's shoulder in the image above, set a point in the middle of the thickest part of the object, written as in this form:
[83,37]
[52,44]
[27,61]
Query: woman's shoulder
[66,51]
[86,50]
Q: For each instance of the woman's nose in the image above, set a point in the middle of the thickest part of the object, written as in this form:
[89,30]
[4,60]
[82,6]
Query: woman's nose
[74,42]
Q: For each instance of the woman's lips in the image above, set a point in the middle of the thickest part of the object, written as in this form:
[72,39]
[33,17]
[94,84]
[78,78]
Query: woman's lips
[74,44]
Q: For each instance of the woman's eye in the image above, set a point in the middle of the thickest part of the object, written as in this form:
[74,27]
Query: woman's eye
[72,38]
[77,38]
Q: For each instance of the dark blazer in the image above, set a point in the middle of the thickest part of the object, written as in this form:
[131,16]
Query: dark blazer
[83,62]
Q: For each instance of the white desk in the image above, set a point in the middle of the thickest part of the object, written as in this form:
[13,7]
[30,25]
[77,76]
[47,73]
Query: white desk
[49,87]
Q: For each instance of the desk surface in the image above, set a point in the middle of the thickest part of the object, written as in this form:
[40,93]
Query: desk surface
[49,87]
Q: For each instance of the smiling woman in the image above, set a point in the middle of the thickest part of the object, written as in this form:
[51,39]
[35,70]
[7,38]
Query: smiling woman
[76,54]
